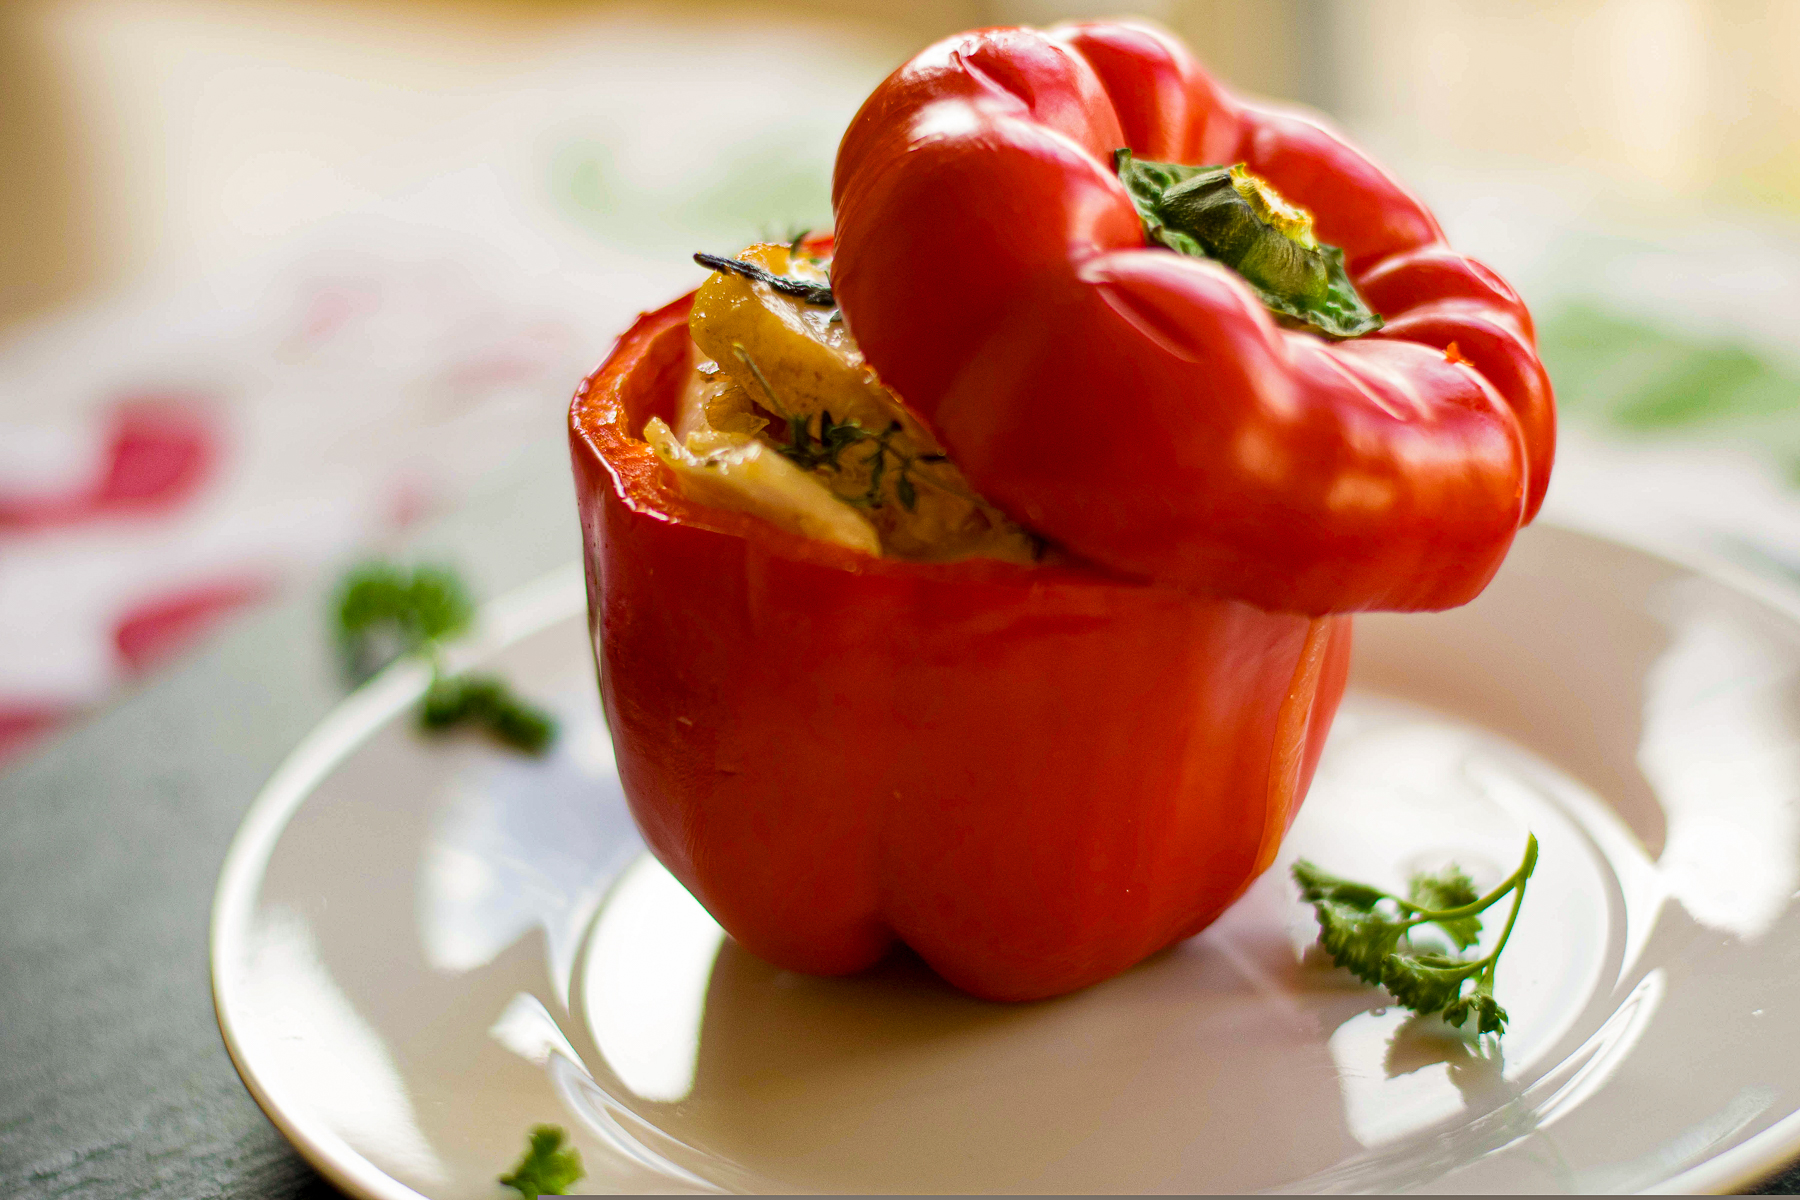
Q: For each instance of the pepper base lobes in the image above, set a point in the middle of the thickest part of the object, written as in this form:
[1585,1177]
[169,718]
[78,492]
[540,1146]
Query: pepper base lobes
[1141,408]
[1032,776]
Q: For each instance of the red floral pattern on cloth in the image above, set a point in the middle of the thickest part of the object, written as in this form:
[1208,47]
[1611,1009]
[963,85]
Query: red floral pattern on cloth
[159,629]
[359,348]
[165,465]
[159,452]
[23,724]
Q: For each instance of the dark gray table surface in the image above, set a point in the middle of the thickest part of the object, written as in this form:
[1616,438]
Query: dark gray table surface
[113,1079]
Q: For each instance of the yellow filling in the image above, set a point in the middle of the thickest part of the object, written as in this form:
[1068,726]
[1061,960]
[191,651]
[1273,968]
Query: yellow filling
[783,419]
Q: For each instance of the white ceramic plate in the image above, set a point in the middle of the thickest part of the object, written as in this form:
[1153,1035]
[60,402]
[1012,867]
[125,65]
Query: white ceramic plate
[421,949]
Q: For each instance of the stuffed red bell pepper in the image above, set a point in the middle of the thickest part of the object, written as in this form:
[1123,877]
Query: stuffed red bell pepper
[976,580]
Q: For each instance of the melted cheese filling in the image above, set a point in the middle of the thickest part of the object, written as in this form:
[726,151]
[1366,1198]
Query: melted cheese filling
[783,419]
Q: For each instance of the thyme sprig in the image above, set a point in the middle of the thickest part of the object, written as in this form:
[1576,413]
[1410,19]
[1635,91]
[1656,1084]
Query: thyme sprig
[810,452]
[812,293]
[825,449]
[1369,932]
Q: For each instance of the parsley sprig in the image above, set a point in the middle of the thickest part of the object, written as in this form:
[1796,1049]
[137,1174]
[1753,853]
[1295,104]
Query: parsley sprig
[1369,932]
[385,612]
[487,703]
[547,1169]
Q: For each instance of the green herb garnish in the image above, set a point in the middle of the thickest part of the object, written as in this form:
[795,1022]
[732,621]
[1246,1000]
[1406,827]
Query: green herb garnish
[547,1169]
[1369,933]
[385,612]
[812,293]
[1229,215]
[812,451]
[487,703]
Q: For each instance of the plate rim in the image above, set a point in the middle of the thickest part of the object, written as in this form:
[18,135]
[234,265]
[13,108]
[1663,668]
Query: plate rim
[561,595]
[518,614]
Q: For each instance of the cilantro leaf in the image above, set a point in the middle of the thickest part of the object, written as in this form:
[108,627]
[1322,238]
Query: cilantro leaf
[1358,939]
[547,1169]
[1489,1016]
[385,612]
[1425,983]
[1316,884]
[1450,888]
[486,702]
[1367,931]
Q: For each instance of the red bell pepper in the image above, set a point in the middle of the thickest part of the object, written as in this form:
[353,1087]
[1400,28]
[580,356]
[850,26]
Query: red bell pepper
[1033,776]
[1037,776]
[1142,408]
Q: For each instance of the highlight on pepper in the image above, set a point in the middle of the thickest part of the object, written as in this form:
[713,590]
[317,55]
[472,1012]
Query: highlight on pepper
[978,575]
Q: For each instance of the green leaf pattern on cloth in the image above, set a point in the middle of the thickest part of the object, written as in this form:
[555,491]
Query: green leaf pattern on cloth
[1640,379]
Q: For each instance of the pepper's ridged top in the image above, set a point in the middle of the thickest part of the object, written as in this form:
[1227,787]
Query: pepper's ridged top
[1217,414]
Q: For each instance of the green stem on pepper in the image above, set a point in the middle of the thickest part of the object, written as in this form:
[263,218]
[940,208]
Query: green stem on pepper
[1231,216]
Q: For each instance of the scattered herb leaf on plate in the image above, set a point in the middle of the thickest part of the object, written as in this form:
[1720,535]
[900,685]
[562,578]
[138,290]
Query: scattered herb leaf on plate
[547,1169]
[385,612]
[1369,932]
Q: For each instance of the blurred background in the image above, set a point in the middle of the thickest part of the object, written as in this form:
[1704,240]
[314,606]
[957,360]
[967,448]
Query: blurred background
[284,281]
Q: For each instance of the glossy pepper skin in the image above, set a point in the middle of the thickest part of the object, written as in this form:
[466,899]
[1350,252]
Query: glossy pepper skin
[1140,407]
[1033,776]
